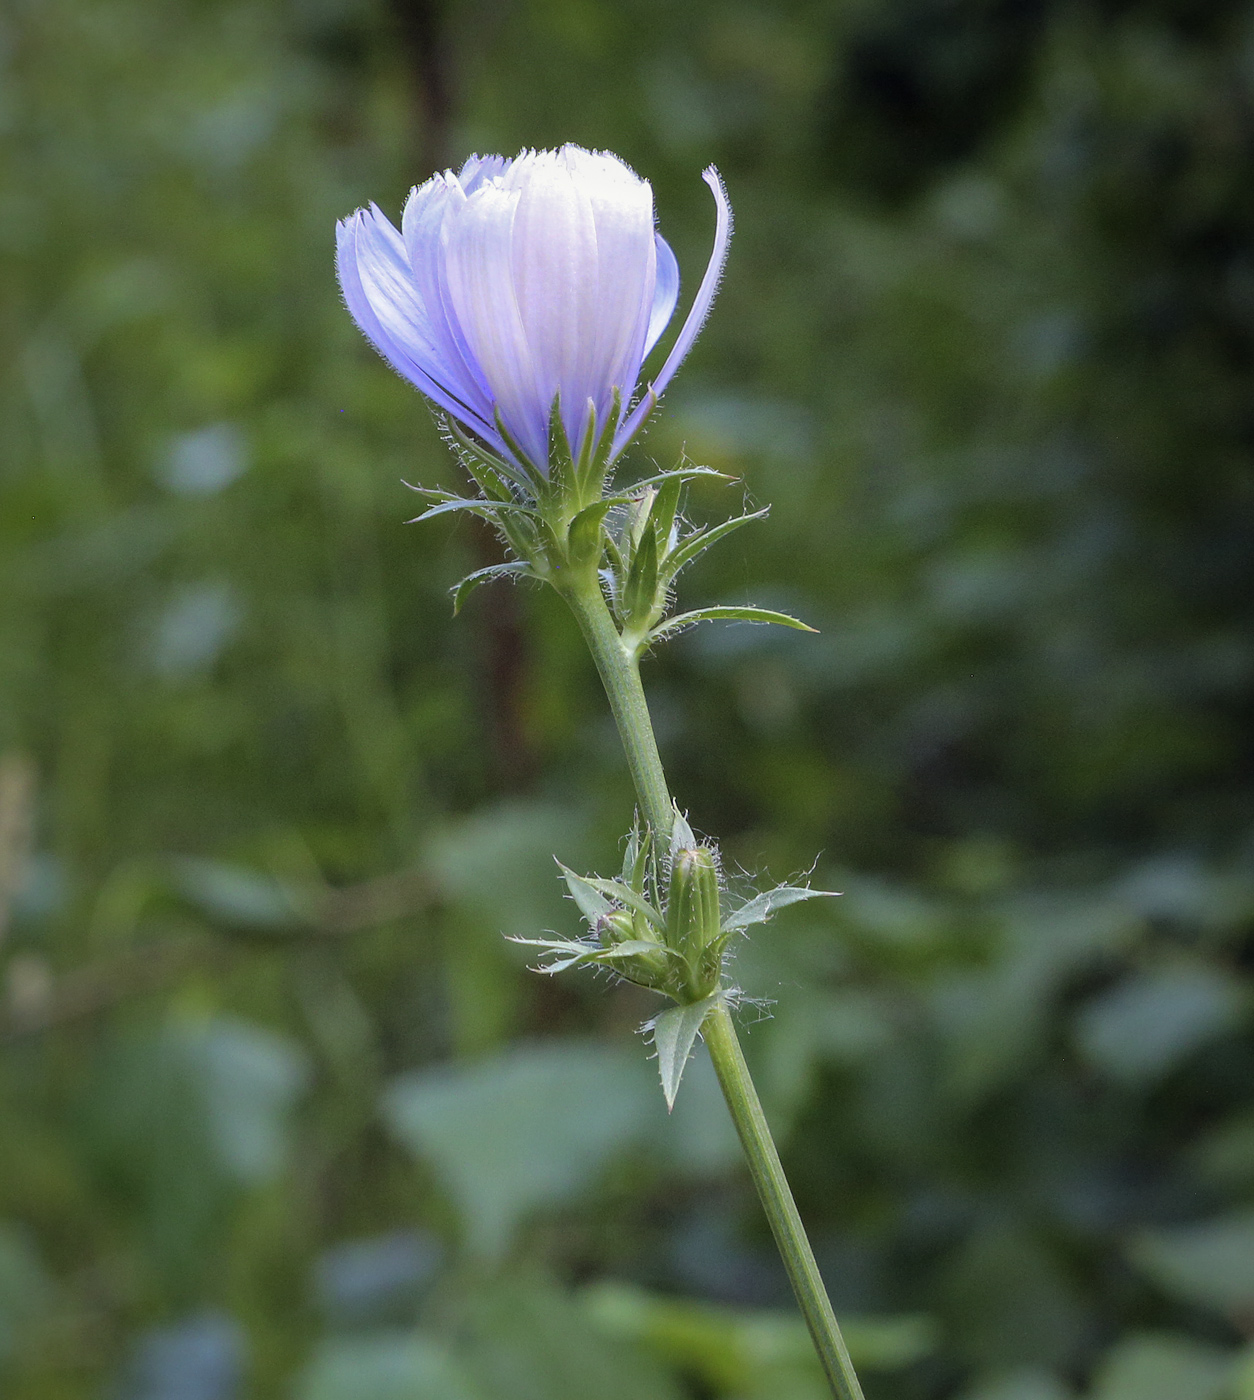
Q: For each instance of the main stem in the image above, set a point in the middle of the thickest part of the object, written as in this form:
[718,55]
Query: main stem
[620,674]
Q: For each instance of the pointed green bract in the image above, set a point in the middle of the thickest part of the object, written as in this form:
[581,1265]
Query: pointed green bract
[674,1033]
[674,625]
[760,908]
[592,903]
[696,544]
[461,591]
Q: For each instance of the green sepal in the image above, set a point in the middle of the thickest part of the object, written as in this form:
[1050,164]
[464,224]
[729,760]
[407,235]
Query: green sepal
[635,948]
[561,463]
[624,894]
[696,545]
[637,860]
[639,600]
[662,516]
[674,1032]
[760,908]
[592,903]
[594,460]
[682,474]
[461,591]
[538,482]
[546,540]
[520,531]
[490,473]
[584,536]
[446,502]
[680,621]
[681,832]
[585,463]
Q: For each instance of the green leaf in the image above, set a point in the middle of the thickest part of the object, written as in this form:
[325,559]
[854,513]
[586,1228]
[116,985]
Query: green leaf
[592,903]
[1162,1366]
[749,1351]
[1141,1028]
[1023,1383]
[696,545]
[252,1079]
[674,1031]
[463,590]
[760,908]
[493,867]
[730,614]
[528,1129]
[525,1339]
[25,1288]
[385,1366]
[235,896]
[576,954]
[1210,1265]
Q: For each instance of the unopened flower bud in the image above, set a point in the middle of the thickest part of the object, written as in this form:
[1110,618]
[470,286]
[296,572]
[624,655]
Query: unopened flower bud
[615,927]
[692,912]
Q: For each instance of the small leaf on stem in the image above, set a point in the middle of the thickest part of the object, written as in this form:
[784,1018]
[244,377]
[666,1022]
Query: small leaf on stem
[762,906]
[674,1032]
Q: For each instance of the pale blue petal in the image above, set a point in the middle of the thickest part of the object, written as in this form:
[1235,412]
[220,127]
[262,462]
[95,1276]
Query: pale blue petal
[665,293]
[480,168]
[422,223]
[479,266]
[697,313]
[381,297]
[622,206]
[554,265]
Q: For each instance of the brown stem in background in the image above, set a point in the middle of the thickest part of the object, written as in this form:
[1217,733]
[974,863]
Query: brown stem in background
[424,30]
[422,26]
[17,800]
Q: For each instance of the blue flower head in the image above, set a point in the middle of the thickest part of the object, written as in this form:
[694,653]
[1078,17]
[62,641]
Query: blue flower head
[517,282]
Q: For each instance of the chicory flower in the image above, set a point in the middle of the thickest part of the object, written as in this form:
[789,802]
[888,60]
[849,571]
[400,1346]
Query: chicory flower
[517,282]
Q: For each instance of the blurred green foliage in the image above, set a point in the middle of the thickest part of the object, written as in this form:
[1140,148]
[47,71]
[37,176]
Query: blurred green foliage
[281,1112]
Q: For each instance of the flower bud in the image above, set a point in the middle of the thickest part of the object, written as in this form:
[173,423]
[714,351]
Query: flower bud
[615,927]
[692,912]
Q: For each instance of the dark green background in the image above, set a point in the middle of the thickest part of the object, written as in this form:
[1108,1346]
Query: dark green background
[281,1113]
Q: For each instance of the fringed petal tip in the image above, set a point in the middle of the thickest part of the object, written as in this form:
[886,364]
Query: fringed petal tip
[697,312]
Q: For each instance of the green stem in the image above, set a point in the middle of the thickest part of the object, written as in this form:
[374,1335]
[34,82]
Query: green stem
[620,673]
[719,1034]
